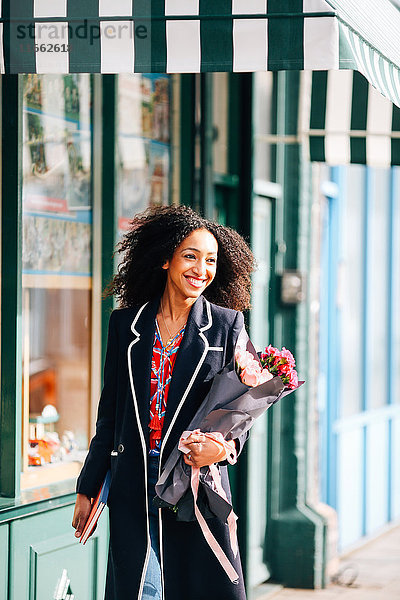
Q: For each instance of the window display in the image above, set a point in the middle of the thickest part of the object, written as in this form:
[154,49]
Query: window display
[56,275]
[143,144]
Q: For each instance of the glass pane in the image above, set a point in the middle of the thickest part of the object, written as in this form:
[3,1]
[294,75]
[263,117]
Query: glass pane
[262,160]
[261,236]
[263,87]
[378,254]
[56,263]
[396,287]
[350,290]
[143,144]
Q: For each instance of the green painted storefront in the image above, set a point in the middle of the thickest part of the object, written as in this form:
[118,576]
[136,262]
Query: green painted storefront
[216,140]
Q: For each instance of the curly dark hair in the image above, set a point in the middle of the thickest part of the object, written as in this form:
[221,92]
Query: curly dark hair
[152,239]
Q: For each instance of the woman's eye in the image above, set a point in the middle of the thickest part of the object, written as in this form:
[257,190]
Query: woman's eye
[190,256]
[211,260]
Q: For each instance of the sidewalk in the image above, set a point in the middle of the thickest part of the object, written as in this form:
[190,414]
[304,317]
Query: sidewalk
[374,570]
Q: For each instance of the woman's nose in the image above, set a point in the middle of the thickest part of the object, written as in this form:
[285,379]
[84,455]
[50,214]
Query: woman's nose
[199,268]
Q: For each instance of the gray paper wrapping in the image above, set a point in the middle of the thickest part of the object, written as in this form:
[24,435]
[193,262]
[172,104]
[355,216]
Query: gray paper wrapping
[230,407]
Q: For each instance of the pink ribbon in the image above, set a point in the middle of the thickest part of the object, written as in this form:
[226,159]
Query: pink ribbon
[231,457]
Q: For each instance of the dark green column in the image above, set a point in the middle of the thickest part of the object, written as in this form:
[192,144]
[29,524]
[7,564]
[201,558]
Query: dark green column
[187,138]
[295,541]
[240,151]
[108,186]
[11,304]
[237,187]
[11,285]
[206,150]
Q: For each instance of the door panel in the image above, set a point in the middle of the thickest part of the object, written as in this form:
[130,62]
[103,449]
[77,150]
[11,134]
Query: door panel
[37,565]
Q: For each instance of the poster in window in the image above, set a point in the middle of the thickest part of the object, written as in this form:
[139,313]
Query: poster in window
[159,175]
[56,174]
[56,245]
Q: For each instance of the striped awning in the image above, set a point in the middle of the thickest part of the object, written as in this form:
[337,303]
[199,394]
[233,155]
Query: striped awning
[343,119]
[190,36]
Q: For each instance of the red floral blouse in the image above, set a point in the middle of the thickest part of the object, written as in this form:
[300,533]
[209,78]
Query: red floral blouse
[162,364]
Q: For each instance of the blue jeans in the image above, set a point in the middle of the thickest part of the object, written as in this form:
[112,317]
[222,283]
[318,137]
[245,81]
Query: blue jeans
[152,589]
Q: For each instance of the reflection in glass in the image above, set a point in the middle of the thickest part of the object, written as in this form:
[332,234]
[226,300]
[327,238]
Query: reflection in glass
[143,144]
[263,89]
[261,229]
[56,262]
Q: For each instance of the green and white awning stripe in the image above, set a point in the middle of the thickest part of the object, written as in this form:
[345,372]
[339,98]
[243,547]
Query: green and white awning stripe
[178,36]
[344,119]
[358,53]
[168,35]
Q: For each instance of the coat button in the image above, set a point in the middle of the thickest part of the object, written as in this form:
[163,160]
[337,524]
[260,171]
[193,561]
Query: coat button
[121,448]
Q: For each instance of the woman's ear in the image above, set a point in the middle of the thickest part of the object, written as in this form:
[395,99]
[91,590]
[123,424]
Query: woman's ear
[165,265]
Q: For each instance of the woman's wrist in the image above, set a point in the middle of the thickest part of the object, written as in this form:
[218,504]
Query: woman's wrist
[79,494]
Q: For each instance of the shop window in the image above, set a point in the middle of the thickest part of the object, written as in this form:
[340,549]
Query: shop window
[378,285]
[263,101]
[143,144]
[349,294]
[56,275]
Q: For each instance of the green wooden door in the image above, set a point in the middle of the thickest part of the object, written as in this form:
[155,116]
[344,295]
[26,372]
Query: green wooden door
[44,553]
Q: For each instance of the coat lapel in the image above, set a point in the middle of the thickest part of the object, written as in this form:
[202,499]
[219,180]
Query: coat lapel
[141,350]
[191,355]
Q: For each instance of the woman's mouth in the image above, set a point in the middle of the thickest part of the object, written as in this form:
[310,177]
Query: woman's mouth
[195,282]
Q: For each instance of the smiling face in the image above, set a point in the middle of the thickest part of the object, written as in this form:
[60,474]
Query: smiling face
[193,264]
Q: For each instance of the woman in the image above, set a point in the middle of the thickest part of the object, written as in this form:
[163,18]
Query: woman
[181,283]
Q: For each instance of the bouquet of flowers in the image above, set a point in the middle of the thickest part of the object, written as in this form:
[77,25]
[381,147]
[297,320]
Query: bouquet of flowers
[270,362]
[239,394]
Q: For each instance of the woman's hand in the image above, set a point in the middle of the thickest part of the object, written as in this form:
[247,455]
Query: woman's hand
[204,451]
[82,510]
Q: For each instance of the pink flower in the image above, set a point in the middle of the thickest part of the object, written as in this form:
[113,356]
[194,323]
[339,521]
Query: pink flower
[293,379]
[273,362]
[271,358]
[251,374]
[271,351]
[244,358]
[285,353]
[284,369]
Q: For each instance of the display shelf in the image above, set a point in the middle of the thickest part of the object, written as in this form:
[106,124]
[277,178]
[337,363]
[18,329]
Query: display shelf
[56,281]
[48,474]
[43,420]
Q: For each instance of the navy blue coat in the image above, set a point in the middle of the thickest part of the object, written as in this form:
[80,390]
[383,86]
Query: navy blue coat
[189,568]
